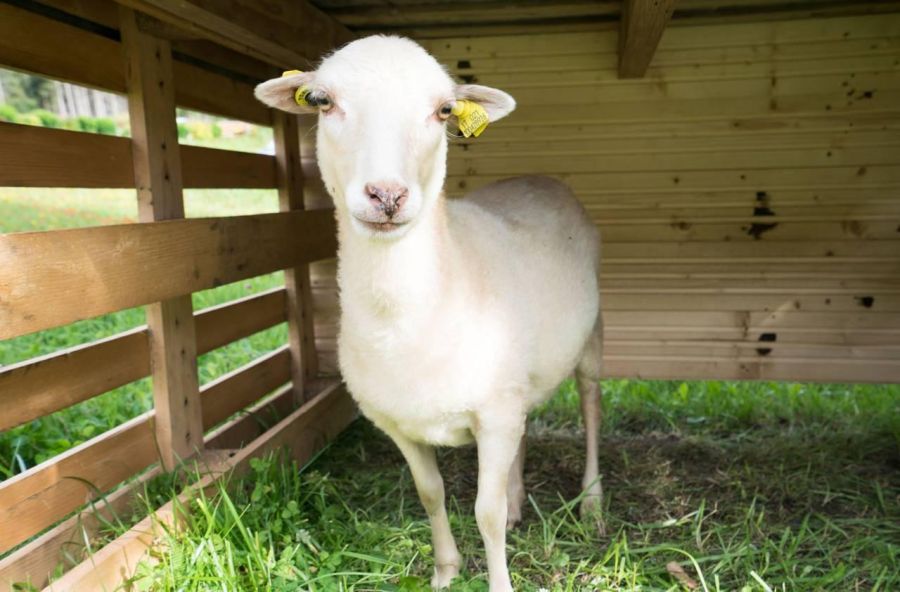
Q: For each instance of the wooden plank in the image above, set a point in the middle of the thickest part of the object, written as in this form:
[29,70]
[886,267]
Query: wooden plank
[768,301]
[43,157]
[42,386]
[750,180]
[256,419]
[715,158]
[808,370]
[303,433]
[780,33]
[297,283]
[231,392]
[573,56]
[228,322]
[253,36]
[713,349]
[641,28]
[37,44]
[39,497]
[46,493]
[63,546]
[69,275]
[35,388]
[157,174]
[105,14]
[379,17]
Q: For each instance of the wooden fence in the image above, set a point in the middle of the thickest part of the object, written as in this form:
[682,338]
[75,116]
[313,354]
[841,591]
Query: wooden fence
[50,279]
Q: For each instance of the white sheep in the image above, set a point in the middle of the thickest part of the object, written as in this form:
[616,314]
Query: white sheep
[458,316]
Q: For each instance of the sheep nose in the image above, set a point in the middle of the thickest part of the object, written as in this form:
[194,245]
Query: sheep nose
[388,196]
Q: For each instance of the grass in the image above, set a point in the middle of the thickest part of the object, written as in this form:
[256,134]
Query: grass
[746,486]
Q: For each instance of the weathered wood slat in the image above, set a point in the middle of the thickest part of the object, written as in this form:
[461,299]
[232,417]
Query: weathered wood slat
[818,302]
[807,56]
[225,323]
[36,44]
[707,39]
[44,494]
[750,180]
[296,280]
[65,542]
[38,387]
[41,496]
[641,28]
[726,368]
[750,368]
[252,423]
[714,158]
[43,157]
[64,276]
[178,427]
[233,391]
[37,561]
[267,33]
[824,136]
[712,349]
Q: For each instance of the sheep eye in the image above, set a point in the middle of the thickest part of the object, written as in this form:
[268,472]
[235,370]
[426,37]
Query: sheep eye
[320,100]
[445,111]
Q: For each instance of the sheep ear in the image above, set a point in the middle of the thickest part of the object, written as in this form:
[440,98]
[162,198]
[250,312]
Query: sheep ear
[279,92]
[497,103]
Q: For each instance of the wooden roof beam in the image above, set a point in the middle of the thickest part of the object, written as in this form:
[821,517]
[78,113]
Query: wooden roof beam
[287,34]
[642,25]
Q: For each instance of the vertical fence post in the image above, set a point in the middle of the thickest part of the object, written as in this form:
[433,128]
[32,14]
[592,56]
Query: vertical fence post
[157,173]
[297,282]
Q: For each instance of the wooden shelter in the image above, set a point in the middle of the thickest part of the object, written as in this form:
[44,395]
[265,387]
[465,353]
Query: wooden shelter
[741,157]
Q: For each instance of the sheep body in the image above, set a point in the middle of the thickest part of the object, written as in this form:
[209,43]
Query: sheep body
[503,299]
[457,315]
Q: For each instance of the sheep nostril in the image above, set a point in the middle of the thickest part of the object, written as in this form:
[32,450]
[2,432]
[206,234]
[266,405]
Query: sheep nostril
[389,197]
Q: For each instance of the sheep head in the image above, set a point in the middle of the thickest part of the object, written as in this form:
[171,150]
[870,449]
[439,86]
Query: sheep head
[383,105]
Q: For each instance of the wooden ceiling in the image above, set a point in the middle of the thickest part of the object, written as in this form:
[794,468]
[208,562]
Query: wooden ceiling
[641,22]
[436,18]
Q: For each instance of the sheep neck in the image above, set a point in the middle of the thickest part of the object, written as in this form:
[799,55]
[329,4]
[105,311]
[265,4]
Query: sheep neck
[398,278]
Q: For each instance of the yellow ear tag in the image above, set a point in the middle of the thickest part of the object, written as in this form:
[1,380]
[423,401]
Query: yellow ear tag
[301,92]
[472,117]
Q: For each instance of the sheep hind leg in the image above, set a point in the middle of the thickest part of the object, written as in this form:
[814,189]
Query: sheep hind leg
[515,488]
[587,377]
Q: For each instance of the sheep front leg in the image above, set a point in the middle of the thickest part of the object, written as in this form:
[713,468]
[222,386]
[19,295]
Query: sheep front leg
[497,448]
[430,486]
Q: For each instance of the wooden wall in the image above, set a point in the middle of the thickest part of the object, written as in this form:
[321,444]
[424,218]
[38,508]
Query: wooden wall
[746,189]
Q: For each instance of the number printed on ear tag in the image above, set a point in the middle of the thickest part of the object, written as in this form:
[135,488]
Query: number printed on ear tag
[473,118]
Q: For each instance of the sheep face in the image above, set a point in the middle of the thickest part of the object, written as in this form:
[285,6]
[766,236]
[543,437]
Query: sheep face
[383,105]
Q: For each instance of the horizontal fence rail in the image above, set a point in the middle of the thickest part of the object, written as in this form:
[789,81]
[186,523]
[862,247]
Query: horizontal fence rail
[37,498]
[42,157]
[39,387]
[34,43]
[54,278]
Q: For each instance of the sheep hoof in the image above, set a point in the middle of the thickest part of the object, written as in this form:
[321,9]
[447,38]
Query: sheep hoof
[592,510]
[513,518]
[443,574]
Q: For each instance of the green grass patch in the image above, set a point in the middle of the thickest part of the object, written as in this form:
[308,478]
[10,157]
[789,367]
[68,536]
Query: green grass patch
[747,486]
